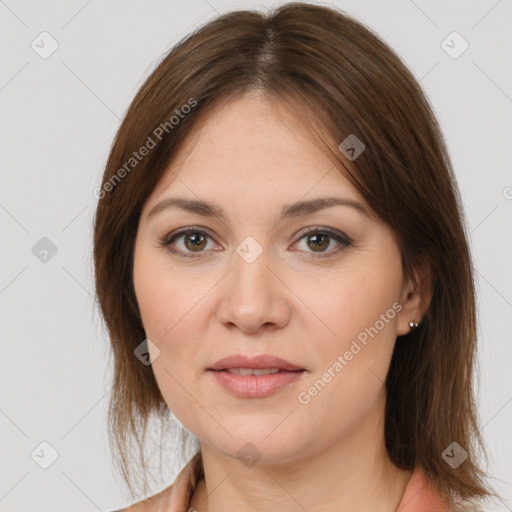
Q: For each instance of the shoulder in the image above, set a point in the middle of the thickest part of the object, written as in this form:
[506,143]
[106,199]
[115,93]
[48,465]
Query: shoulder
[420,496]
[176,497]
[158,502]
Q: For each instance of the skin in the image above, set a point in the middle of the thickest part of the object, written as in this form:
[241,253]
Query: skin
[251,158]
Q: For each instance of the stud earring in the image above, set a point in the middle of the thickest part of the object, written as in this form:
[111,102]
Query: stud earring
[413,325]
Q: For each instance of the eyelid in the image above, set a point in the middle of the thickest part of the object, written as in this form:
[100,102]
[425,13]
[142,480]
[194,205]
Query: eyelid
[323,230]
[167,240]
[340,237]
[189,229]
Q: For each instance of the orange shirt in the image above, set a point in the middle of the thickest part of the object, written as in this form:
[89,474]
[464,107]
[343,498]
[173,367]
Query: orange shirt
[418,495]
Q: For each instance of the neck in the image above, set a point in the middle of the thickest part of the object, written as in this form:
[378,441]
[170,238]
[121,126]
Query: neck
[355,473]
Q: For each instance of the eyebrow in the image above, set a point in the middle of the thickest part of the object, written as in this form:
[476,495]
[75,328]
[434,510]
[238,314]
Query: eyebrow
[297,209]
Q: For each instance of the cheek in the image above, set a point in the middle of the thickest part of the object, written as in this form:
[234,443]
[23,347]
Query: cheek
[360,312]
[360,303]
[172,310]
[165,297]
[339,313]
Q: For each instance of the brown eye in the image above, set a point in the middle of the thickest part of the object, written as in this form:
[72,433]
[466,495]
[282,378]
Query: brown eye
[318,241]
[197,241]
[193,241]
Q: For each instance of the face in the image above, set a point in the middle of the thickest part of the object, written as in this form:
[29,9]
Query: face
[320,288]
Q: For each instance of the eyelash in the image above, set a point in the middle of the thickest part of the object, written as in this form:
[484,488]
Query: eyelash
[344,240]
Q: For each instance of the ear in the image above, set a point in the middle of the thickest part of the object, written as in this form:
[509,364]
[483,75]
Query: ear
[415,300]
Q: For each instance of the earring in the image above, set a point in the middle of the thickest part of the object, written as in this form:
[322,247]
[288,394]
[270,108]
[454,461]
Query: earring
[413,325]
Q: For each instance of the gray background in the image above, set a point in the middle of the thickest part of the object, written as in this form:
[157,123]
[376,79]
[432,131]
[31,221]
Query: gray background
[58,117]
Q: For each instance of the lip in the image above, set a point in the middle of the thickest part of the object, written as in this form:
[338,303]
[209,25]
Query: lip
[257,362]
[255,386]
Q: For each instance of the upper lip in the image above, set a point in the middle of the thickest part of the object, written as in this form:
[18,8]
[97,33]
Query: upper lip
[257,362]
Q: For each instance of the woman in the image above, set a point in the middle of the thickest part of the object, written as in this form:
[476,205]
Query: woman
[282,264]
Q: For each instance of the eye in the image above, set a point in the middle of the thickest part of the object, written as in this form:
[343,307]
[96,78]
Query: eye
[194,241]
[319,241]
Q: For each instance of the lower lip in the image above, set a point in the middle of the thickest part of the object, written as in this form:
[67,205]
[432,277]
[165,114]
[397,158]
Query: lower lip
[255,386]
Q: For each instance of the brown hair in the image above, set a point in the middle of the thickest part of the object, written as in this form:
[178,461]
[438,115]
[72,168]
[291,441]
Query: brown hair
[347,81]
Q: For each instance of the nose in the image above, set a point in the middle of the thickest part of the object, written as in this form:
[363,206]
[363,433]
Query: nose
[253,297]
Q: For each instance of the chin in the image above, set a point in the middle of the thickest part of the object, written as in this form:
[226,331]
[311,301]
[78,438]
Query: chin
[255,445]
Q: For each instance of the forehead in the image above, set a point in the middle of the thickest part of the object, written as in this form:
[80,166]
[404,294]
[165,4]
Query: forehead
[247,148]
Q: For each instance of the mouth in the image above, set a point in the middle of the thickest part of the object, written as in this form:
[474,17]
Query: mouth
[255,382]
[245,372]
[256,377]
[264,364]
